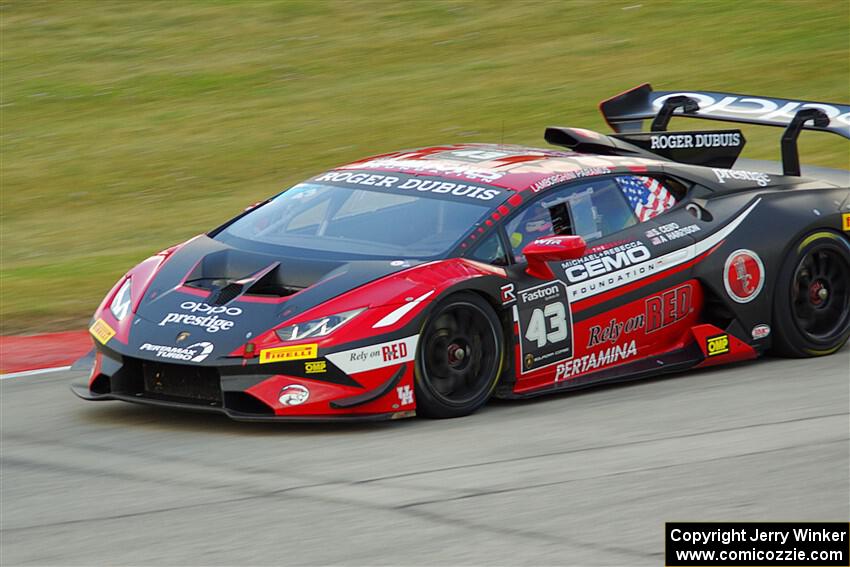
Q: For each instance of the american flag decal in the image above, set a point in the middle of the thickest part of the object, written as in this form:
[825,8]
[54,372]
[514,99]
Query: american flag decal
[646,195]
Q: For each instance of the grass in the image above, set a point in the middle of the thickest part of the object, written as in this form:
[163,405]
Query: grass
[126,127]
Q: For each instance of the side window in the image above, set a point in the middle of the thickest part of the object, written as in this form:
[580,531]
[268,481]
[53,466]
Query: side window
[490,251]
[597,208]
[647,196]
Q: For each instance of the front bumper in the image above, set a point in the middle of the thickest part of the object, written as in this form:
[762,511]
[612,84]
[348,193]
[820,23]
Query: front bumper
[82,391]
[251,392]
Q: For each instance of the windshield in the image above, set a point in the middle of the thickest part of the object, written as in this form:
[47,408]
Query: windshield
[348,221]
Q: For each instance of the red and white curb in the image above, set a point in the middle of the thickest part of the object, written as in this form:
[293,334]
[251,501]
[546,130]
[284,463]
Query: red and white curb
[26,373]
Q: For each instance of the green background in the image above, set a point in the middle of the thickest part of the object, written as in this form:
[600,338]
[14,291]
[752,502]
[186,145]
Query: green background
[127,127]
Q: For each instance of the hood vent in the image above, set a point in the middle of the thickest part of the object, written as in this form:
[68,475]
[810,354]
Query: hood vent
[226,294]
[228,275]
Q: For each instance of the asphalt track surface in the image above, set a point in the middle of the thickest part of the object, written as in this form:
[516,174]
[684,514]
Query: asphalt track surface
[577,479]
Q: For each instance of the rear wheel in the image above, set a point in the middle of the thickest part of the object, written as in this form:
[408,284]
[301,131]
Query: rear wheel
[459,357]
[812,302]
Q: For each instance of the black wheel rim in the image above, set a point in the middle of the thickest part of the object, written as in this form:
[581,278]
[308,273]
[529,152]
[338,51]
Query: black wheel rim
[820,295]
[460,354]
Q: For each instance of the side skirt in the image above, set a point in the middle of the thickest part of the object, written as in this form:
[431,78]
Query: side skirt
[648,367]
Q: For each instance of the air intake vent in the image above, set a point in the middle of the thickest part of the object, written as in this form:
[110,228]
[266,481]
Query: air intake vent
[226,294]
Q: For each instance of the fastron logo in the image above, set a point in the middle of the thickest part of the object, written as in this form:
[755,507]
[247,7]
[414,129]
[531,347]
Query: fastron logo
[606,261]
[540,293]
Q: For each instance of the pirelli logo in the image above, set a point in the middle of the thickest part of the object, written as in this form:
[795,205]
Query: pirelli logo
[101,331]
[287,353]
[845,222]
[717,345]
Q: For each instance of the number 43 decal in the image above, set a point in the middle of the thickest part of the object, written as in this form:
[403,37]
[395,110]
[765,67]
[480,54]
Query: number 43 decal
[545,325]
[553,316]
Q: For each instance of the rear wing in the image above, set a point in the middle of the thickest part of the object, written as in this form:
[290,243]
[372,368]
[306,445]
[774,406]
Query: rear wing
[626,112]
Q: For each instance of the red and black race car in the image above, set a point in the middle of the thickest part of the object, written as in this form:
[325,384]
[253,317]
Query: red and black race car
[427,281]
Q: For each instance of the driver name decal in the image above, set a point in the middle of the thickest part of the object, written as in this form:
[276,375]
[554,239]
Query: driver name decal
[404,183]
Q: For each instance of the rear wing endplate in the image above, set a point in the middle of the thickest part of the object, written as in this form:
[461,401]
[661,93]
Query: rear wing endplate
[626,112]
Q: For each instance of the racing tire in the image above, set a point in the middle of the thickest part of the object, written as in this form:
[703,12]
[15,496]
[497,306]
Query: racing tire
[811,306]
[459,357]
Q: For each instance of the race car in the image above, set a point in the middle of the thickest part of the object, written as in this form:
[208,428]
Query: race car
[425,282]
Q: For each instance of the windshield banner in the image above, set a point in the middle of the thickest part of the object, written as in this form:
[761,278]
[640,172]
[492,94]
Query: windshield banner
[402,184]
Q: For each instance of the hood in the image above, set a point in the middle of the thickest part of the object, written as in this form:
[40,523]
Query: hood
[214,291]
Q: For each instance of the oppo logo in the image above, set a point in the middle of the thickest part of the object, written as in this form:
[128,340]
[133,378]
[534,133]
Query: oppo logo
[777,111]
[194,307]
[610,263]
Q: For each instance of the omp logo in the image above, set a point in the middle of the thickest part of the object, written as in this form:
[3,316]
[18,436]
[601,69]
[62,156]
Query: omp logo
[287,353]
[102,331]
[717,345]
[316,367]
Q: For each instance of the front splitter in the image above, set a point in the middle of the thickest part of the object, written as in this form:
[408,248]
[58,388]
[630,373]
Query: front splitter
[81,390]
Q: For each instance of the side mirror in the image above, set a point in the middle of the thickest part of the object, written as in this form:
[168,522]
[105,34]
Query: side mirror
[551,249]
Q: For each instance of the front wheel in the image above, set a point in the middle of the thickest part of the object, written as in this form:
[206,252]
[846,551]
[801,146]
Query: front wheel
[812,302]
[459,357]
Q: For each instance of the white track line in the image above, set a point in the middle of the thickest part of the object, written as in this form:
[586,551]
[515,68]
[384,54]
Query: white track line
[33,372]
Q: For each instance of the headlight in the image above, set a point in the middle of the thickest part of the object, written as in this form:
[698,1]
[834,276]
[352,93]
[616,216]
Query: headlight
[317,327]
[120,305]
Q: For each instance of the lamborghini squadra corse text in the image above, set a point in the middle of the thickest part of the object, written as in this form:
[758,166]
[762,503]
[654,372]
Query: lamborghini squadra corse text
[427,281]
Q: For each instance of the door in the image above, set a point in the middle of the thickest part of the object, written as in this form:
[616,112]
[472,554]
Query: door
[625,299]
